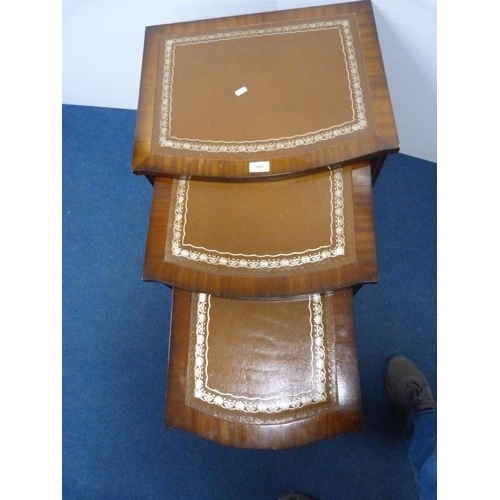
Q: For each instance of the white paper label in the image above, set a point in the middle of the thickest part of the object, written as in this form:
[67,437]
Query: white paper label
[240,91]
[259,166]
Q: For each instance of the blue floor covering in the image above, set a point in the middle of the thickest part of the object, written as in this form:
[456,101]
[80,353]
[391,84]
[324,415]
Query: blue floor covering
[115,342]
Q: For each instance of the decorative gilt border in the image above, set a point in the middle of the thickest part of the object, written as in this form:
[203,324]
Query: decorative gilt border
[317,394]
[337,240]
[359,118]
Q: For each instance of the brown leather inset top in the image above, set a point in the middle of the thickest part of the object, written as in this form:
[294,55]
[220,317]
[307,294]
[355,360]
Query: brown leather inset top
[301,89]
[254,228]
[253,93]
[261,361]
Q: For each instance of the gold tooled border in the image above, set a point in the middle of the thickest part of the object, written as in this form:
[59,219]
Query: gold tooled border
[242,403]
[176,245]
[359,121]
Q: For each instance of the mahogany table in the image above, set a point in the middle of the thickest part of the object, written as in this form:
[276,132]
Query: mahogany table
[257,374]
[264,239]
[264,95]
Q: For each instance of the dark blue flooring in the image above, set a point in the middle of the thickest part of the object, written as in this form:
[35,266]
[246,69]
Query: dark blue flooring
[115,342]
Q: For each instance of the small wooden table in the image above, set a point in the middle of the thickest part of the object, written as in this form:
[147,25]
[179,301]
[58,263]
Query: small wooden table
[297,236]
[264,95]
[262,374]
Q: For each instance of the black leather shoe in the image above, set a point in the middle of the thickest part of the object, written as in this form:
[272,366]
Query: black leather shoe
[407,387]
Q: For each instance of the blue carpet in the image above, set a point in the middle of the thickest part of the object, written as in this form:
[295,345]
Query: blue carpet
[115,342]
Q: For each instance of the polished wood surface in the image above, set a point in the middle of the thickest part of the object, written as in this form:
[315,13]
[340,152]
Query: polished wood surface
[316,95]
[230,424]
[357,265]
